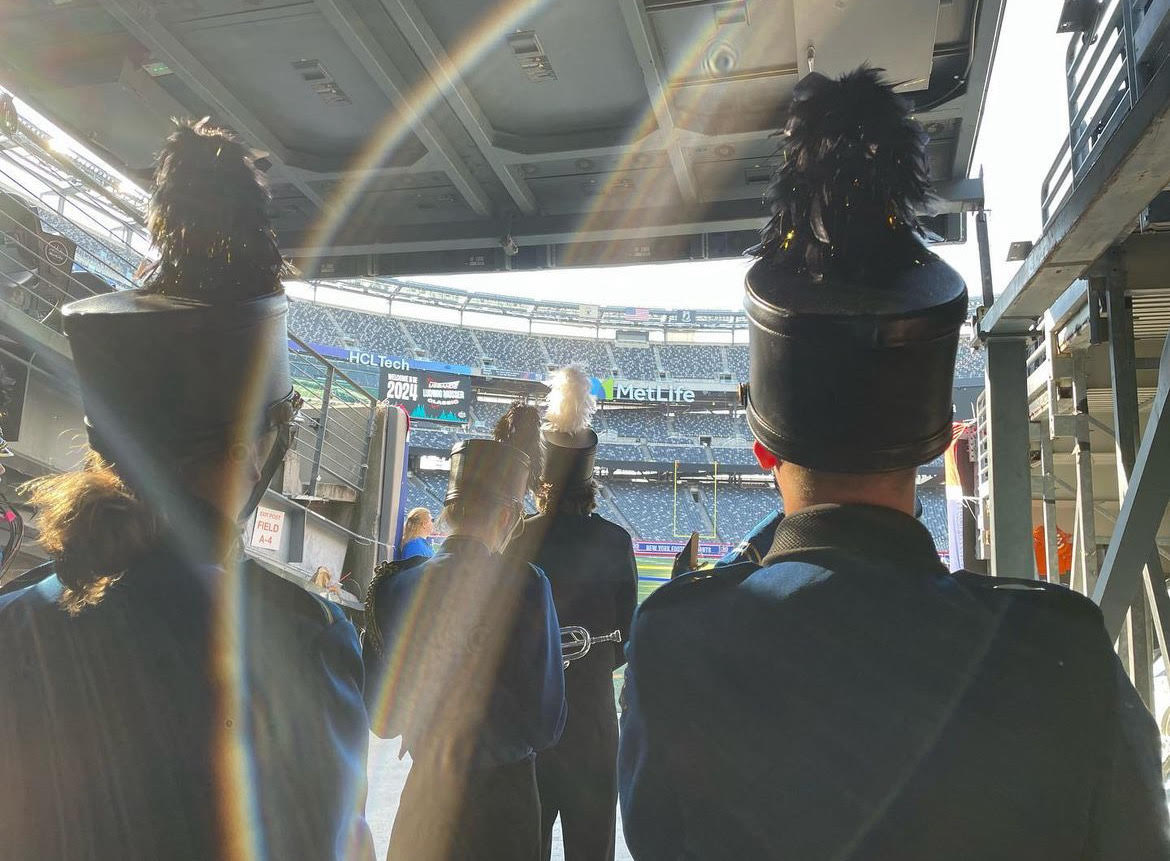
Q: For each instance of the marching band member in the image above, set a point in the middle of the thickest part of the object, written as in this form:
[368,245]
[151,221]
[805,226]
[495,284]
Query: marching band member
[161,696]
[465,652]
[590,563]
[848,696]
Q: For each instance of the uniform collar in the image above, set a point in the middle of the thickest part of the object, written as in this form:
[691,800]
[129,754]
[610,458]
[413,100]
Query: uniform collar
[867,531]
[465,544]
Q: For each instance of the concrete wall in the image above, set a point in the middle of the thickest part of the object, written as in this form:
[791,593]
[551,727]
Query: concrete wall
[306,542]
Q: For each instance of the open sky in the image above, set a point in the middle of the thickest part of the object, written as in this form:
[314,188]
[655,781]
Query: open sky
[1024,124]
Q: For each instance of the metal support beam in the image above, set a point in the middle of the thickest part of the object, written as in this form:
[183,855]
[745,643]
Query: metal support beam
[1048,502]
[322,426]
[1158,602]
[1086,559]
[139,19]
[1142,510]
[984,244]
[1135,646]
[358,38]
[638,25]
[413,24]
[1008,447]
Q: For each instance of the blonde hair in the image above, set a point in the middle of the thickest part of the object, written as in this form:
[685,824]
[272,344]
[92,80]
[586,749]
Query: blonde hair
[418,524]
[93,526]
[322,577]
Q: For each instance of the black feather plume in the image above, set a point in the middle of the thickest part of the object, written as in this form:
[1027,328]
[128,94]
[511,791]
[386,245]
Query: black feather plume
[852,176]
[209,220]
[520,427]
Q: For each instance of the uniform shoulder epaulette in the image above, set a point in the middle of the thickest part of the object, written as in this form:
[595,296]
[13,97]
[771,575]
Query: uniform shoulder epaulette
[383,572]
[1016,585]
[694,585]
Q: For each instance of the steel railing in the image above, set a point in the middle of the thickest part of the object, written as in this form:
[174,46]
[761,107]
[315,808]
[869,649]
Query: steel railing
[335,424]
[1103,83]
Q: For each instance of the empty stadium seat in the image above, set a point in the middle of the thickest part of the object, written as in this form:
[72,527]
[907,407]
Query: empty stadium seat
[677,453]
[450,344]
[635,363]
[692,361]
[591,355]
[510,350]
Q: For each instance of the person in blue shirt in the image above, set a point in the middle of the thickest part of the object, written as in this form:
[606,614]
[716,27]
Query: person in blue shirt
[162,696]
[415,531]
[464,663]
[845,695]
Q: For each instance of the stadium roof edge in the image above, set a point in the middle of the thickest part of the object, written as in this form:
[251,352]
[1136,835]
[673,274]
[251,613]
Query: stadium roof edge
[608,317]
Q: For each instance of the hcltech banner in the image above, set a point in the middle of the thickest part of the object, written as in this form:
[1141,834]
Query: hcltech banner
[433,396]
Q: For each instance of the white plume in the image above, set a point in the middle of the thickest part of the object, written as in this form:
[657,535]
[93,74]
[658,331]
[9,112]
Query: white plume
[571,404]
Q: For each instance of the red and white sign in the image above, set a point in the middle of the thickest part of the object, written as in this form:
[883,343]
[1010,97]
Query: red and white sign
[269,527]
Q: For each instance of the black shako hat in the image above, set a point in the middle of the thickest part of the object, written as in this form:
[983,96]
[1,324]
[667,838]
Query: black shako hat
[196,360]
[853,323]
[484,469]
[568,442]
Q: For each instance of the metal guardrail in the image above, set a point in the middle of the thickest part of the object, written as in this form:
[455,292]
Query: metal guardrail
[982,454]
[336,422]
[1103,82]
[68,228]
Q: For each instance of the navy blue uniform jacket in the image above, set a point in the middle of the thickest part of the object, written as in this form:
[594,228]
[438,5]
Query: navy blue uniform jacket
[152,726]
[469,657]
[852,699]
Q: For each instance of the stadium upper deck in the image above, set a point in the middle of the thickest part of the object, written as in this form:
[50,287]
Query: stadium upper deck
[631,343]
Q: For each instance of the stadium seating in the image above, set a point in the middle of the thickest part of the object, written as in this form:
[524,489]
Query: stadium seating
[512,351]
[436,483]
[450,344]
[612,451]
[431,437]
[738,509]
[656,512]
[734,455]
[636,423]
[591,355]
[677,453]
[969,362]
[487,413]
[934,513]
[737,360]
[649,507]
[697,424]
[692,361]
[636,363]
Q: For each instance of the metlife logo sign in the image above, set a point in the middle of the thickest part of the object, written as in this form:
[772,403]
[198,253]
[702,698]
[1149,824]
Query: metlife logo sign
[615,390]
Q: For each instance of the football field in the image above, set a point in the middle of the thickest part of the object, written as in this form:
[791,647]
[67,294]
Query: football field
[653,571]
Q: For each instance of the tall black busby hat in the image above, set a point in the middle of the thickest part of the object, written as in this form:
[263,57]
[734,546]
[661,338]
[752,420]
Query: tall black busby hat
[484,469]
[853,322]
[570,444]
[197,359]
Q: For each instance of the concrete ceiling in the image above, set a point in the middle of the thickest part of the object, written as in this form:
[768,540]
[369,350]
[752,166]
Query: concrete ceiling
[411,136]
